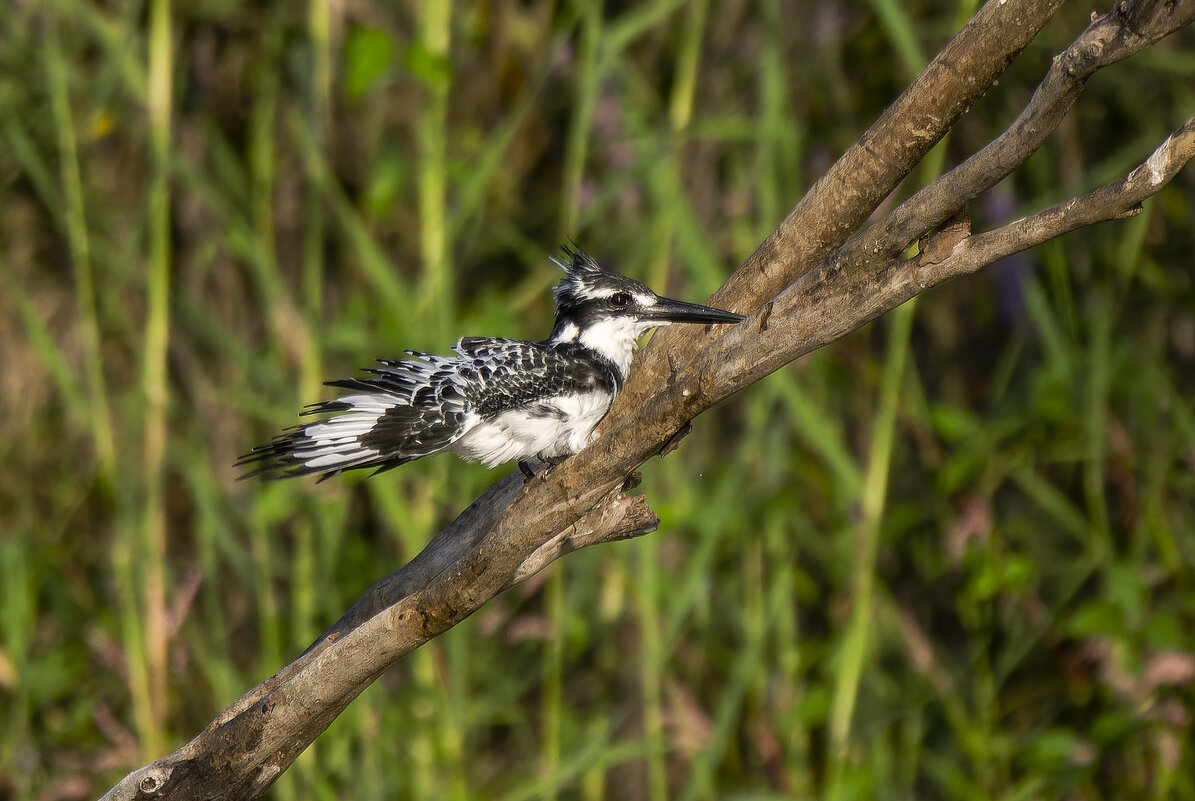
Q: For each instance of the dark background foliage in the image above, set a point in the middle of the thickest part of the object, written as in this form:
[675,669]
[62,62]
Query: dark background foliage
[1002,486]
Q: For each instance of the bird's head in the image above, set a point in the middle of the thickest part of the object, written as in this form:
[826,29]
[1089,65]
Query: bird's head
[607,312]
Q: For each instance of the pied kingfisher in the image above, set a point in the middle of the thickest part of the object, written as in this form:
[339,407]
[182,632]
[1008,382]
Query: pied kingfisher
[497,400]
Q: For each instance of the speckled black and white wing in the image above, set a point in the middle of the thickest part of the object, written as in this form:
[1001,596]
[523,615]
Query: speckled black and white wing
[505,374]
[532,399]
[497,400]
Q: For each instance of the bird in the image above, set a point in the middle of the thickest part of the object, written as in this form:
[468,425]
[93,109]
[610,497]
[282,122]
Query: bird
[496,400]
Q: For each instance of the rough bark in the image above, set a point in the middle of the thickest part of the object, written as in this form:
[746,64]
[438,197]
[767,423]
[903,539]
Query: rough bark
[805,286]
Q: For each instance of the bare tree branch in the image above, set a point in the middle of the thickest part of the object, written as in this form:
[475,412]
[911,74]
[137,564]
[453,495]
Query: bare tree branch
[1112,202]
[247,746]
[842,199]
[828,302]
[806,288]
[1126,30]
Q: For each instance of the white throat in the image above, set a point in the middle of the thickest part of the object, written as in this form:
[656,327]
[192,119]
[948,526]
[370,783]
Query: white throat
[614,338]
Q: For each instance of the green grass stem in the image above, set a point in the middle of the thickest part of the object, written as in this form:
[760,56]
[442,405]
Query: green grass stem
[435,35]
[867,533]
[584,101]
[80,247]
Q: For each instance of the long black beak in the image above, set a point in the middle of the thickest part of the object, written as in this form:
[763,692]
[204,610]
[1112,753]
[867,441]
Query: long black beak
[667,310]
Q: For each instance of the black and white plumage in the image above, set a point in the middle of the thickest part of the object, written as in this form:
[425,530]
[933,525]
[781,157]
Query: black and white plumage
[496,400]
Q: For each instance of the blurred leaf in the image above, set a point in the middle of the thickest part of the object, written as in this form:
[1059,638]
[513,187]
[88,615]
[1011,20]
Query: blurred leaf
[368,54]
[1112,728]
[1056,750]
[427,66]
[996,574]
[1164,631]
[387,178]
[1094,619]
[953,423]
[814,706]
[1125,588]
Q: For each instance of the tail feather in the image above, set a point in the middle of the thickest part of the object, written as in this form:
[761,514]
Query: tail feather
[331,445]
[403,411]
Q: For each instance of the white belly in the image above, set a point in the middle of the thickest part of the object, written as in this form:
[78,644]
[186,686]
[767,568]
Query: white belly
[547,429]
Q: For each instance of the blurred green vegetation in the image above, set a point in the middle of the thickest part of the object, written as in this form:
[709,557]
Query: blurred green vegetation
[950,556]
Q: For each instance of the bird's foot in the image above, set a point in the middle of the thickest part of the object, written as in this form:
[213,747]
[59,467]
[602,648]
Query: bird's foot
[548,463]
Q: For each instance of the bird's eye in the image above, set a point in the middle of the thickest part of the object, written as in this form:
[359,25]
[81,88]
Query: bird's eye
[620,300]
